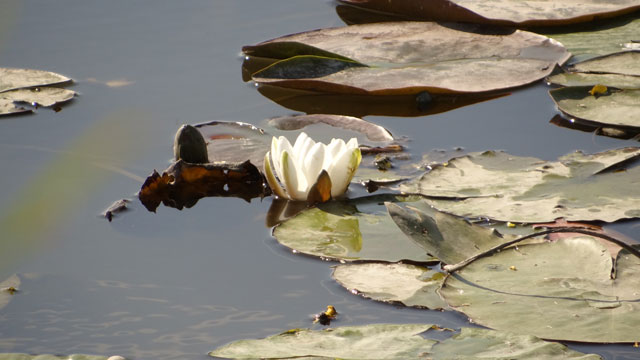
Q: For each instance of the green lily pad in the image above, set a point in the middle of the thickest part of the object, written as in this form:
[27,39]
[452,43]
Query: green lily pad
[34,87]
[447,237]
[406,284]
[520,189]
[18,356]
[618,107]
[562,291]
[395,341]
[8,288]
[501,12]
[409,58]
[356,229]
[618,70]
[622,34]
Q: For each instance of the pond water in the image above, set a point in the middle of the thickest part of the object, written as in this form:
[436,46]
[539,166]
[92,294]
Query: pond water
[176,284]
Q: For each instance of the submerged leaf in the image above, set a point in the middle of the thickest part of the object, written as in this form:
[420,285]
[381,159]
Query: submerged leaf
[412,57]
[562,290]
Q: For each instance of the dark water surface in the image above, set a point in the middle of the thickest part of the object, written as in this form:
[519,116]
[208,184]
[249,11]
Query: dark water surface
[176,284]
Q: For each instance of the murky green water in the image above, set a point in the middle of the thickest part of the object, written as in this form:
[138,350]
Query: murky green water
[176,284]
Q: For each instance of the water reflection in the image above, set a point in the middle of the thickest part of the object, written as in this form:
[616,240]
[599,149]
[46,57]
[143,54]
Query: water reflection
[311,102]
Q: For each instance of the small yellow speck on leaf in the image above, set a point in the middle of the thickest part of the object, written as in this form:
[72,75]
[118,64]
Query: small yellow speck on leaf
[513,268]
[598,90]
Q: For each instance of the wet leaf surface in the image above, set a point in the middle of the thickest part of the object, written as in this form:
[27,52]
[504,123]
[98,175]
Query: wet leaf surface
[501,12]
[355,229]
[519,189]
[412,57]
[182,184]
[562,290]
[406,284]
[396,341]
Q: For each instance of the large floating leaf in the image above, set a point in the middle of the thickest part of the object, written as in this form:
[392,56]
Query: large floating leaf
[502,12]
[396,341]
[617,102]
[622,34]
[34,87]
[447,237]
[562,290]
[618,107]
[409,285]
[358,229]
[18,356]
[412,57]
[372,131]
[618,70]
[511,188]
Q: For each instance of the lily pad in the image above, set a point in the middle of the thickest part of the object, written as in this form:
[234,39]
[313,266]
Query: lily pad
[520,189]
[412,57]
[18,356]
[395,341]
[235,142]
[34,87]
[502,12]
[562,290]
[618,70]
[409,285]
[8,288]
[447,237]
[373,132]
[618,107]
[620,34]
[356,229]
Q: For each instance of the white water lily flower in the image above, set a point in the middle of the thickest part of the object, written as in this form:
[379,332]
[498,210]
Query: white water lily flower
[311,167]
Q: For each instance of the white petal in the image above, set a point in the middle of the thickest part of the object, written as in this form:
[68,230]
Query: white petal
[333,149]
[352,144]
[342,170]
[271,179]
[290,178]
[303,151]
[299,141]
[312,164]
[282,144]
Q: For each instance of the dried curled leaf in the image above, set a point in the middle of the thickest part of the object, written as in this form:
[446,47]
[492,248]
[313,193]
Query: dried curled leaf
[183,184]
